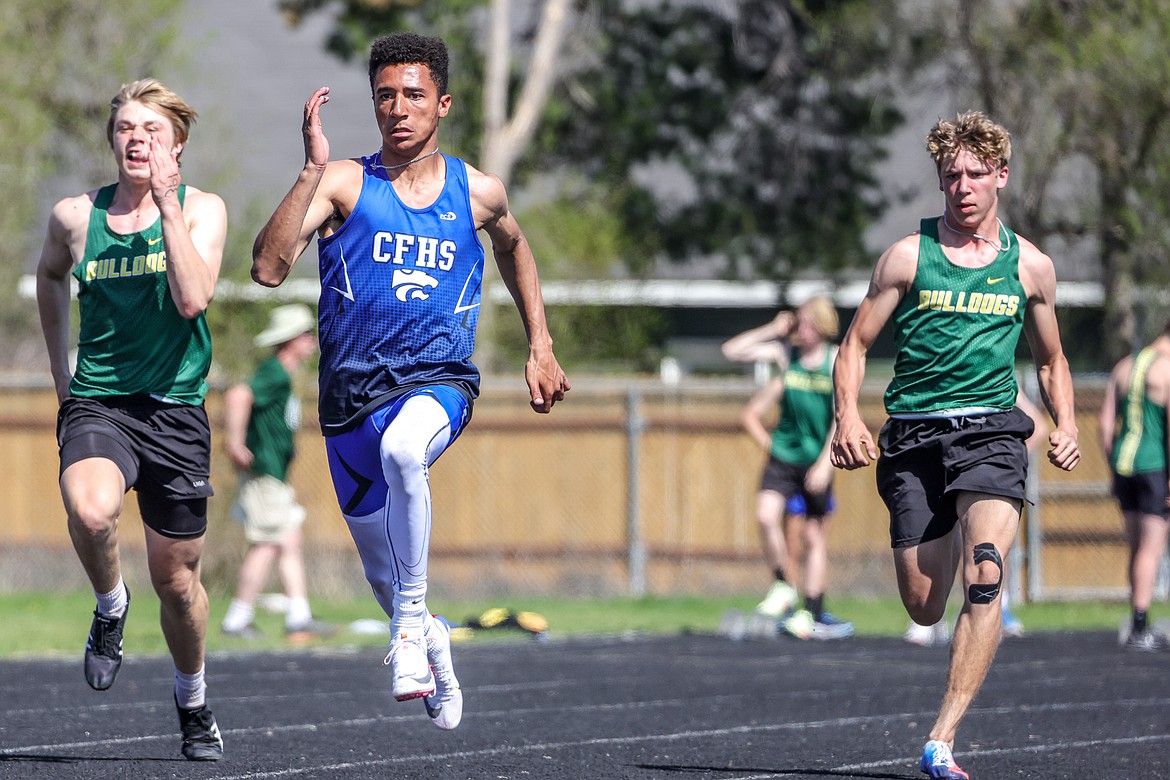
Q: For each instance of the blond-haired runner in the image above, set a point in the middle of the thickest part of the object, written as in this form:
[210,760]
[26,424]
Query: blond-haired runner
[145,253]
[953,456]
[797,477]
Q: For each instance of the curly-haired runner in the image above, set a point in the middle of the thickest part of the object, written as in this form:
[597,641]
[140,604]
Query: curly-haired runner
[953,454]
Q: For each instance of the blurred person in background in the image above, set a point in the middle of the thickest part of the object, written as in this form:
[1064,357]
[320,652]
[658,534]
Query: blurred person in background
[797,469]
[145,253]
[1133,431]
[261,419]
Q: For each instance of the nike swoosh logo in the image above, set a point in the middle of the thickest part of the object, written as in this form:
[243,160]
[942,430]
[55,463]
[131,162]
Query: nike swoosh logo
[348,291]
[460,306]
[996,280]
[153,241]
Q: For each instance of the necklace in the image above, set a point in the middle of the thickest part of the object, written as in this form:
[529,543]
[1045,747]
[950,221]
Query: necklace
[996,245]
[401,165]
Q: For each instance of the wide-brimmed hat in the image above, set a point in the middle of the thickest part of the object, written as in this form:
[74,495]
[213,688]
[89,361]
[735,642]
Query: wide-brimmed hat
[285,324]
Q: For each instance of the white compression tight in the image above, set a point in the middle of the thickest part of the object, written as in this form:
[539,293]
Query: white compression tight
[394,542]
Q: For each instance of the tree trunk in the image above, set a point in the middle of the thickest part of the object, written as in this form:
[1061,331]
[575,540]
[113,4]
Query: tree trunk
[504,138]
[1120,336]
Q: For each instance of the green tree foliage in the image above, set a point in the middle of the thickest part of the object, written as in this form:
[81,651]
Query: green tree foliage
[743,132]
[1084,86]
[771,114]
[60,62]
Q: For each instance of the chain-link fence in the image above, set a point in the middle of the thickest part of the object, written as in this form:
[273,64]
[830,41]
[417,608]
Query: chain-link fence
[628,487]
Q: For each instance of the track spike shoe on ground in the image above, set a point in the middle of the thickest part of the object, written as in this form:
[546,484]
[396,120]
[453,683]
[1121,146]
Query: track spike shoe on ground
[761,626]
[103,648]
[201,738]
[249,632]
[310,630]
[937,635]
[799,624]
[733,625]
[410,672]
[829,626]
[779,601]
[445,705]
[937,762]
[1012,627]
[918,634]
[1145,642]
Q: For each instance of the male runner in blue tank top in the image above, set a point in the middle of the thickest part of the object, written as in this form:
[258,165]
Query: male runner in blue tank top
[401,266]
[953,453]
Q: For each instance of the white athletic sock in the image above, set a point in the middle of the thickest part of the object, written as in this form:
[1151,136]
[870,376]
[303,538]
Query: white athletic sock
[190,690]
[114,603]
[298,613]
[410,610]
[239,615]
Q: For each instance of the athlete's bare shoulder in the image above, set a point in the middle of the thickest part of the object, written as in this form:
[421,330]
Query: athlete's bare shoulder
[1159,370]
[202,200]
[898,265]
[489,199]
[337,193]
[343,177]
[1037,271]
[71,214]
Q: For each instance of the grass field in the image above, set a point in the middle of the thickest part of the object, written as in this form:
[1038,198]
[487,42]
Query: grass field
[56,624]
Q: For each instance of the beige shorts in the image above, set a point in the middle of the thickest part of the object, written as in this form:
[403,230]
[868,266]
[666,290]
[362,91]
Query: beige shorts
[267,508]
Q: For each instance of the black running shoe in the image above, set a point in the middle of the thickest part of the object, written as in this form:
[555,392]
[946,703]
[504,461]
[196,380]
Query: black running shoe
[103,649]
[201,738]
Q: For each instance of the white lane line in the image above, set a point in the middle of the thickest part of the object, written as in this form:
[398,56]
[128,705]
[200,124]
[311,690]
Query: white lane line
[1047,747]
[667,737]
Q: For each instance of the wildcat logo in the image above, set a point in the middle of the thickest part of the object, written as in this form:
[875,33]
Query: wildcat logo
[412,285]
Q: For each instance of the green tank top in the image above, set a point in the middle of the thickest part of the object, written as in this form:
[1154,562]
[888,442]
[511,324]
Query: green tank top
[806,412]
[956,332]
[1140,444]
[132,338]
[276,415]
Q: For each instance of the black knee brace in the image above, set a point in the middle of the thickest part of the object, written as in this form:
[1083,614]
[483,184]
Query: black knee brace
[980,593]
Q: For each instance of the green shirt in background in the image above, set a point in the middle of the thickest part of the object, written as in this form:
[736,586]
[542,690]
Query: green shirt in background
[956,332]
[806,412]
[1140,444]
[132,340]
[276,416]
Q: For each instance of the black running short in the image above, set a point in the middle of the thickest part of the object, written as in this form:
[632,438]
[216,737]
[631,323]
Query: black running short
[163,451]
[1145,492]
[925,462]
[788,480]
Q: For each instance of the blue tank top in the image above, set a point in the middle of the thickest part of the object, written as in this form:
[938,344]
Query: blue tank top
[400,293]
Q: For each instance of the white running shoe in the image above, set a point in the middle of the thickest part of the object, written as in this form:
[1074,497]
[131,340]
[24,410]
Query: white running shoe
[918,634]
[409,669]
[445,705]
[937,635]
[799,624]
[779,601]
